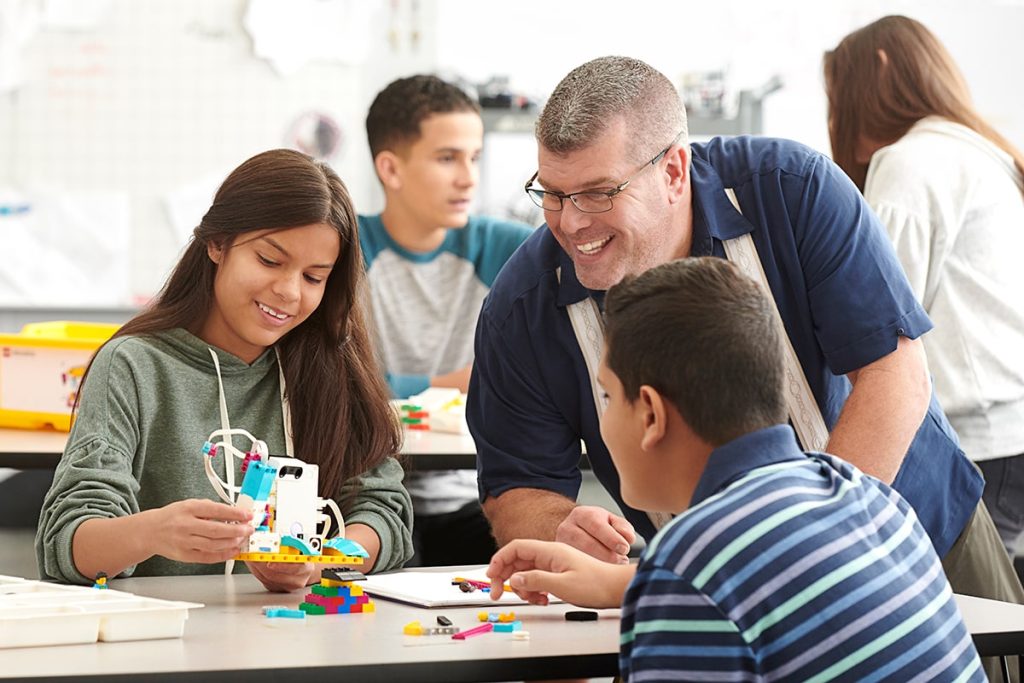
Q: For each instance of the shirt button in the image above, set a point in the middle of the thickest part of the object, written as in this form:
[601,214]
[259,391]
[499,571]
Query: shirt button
[900,331]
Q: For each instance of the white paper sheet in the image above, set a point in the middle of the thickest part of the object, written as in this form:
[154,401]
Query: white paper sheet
[435,589]
[64,249]
[292,34]
[186,205]
[19,21]
[76,15]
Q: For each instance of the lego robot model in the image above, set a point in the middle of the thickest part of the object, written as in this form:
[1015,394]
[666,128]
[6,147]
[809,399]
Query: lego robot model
[292,523]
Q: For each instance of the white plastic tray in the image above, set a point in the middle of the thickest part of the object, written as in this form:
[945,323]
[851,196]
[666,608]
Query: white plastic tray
[37,613]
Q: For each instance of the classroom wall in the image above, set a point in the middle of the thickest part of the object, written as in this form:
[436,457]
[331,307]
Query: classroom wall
[538,42]
[146,110]
[152,102]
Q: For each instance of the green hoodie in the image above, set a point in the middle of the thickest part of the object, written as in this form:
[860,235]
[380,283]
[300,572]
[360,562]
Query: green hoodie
[146,409]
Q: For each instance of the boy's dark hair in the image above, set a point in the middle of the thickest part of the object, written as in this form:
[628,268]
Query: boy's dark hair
[704,335]
[397,111]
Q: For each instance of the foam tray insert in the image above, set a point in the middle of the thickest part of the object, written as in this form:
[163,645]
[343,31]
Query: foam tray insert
[37,613]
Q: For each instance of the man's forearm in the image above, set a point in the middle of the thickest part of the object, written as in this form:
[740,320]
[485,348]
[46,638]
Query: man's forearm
[526,513]
[884,411]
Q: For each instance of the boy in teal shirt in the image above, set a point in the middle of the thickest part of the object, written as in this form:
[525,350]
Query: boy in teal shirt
[430,264]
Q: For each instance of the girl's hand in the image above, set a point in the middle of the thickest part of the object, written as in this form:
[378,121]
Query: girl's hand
[196,530]
[284,577]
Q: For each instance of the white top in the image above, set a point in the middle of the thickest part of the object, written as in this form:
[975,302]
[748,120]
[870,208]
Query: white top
[951,203]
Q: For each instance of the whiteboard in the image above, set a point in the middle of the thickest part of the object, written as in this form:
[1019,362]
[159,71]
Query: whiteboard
[144,111]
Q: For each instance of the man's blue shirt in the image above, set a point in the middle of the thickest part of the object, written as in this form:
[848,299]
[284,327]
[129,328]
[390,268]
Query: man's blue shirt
[839,288]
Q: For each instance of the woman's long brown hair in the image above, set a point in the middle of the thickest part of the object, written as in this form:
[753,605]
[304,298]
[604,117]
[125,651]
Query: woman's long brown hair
[880,100]
[341,418]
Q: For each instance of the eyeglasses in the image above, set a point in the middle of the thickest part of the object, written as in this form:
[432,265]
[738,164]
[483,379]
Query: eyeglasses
[587,201]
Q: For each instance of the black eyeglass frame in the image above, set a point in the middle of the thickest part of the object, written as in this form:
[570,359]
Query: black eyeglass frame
[533,192]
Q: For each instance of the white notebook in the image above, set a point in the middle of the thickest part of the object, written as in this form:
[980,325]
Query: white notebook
[435,589]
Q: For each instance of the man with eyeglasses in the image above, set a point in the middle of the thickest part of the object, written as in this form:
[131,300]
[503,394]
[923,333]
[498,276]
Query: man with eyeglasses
[623,191]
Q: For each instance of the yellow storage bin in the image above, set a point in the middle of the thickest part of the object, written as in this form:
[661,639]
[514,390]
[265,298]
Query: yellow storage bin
[40,371]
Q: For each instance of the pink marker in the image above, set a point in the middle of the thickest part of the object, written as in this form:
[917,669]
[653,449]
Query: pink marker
[482,628]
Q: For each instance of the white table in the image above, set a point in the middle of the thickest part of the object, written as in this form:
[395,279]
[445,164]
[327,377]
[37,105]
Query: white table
[996,627]
[229,640]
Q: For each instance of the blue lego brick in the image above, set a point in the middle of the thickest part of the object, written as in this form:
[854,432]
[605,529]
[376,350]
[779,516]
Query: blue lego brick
[259,478]
[285,613]
[508,627]
[346,547]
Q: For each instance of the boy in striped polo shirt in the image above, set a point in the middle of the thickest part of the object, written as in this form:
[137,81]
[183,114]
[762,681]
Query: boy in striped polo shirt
[781,565]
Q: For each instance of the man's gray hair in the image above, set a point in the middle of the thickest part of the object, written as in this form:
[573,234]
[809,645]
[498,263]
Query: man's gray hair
[595,94]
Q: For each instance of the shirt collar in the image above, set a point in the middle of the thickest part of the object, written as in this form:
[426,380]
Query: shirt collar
[713,213]
[750,451]
[570,289]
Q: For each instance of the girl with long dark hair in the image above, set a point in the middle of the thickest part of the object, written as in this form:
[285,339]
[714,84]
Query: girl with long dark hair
[261,320]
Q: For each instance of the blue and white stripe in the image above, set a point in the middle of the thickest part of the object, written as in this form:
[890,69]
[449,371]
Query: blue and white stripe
[801,568]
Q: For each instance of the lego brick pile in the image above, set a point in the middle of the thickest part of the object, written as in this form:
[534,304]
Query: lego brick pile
[334,595]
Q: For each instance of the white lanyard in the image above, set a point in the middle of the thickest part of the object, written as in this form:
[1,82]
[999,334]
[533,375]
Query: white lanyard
[589,328]
[226,488]
[803,409]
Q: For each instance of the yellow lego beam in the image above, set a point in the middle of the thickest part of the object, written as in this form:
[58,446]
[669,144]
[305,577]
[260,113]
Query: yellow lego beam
[293,557]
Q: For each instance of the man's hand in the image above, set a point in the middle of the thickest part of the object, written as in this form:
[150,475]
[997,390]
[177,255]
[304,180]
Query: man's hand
[537,569]
[598,533]
[283,577]
[196,530]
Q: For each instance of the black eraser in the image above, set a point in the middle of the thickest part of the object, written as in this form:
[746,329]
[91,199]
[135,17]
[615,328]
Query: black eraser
[444,621]
[581,615]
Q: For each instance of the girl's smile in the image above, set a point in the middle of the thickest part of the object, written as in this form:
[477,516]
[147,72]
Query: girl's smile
[267,284]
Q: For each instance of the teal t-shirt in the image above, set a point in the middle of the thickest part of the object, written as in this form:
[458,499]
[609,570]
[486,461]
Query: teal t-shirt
[425,304]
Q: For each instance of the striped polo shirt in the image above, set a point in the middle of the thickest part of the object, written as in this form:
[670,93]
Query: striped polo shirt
[796,567]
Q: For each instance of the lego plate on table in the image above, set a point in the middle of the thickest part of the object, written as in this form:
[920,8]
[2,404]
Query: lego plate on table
[34,613]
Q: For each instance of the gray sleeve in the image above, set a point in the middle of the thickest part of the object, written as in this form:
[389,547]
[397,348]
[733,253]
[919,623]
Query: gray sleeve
[383,504]
[94,478]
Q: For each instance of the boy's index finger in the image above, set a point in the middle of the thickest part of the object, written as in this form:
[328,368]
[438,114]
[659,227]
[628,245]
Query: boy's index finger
[509,556]
[515,556]
[498,566]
